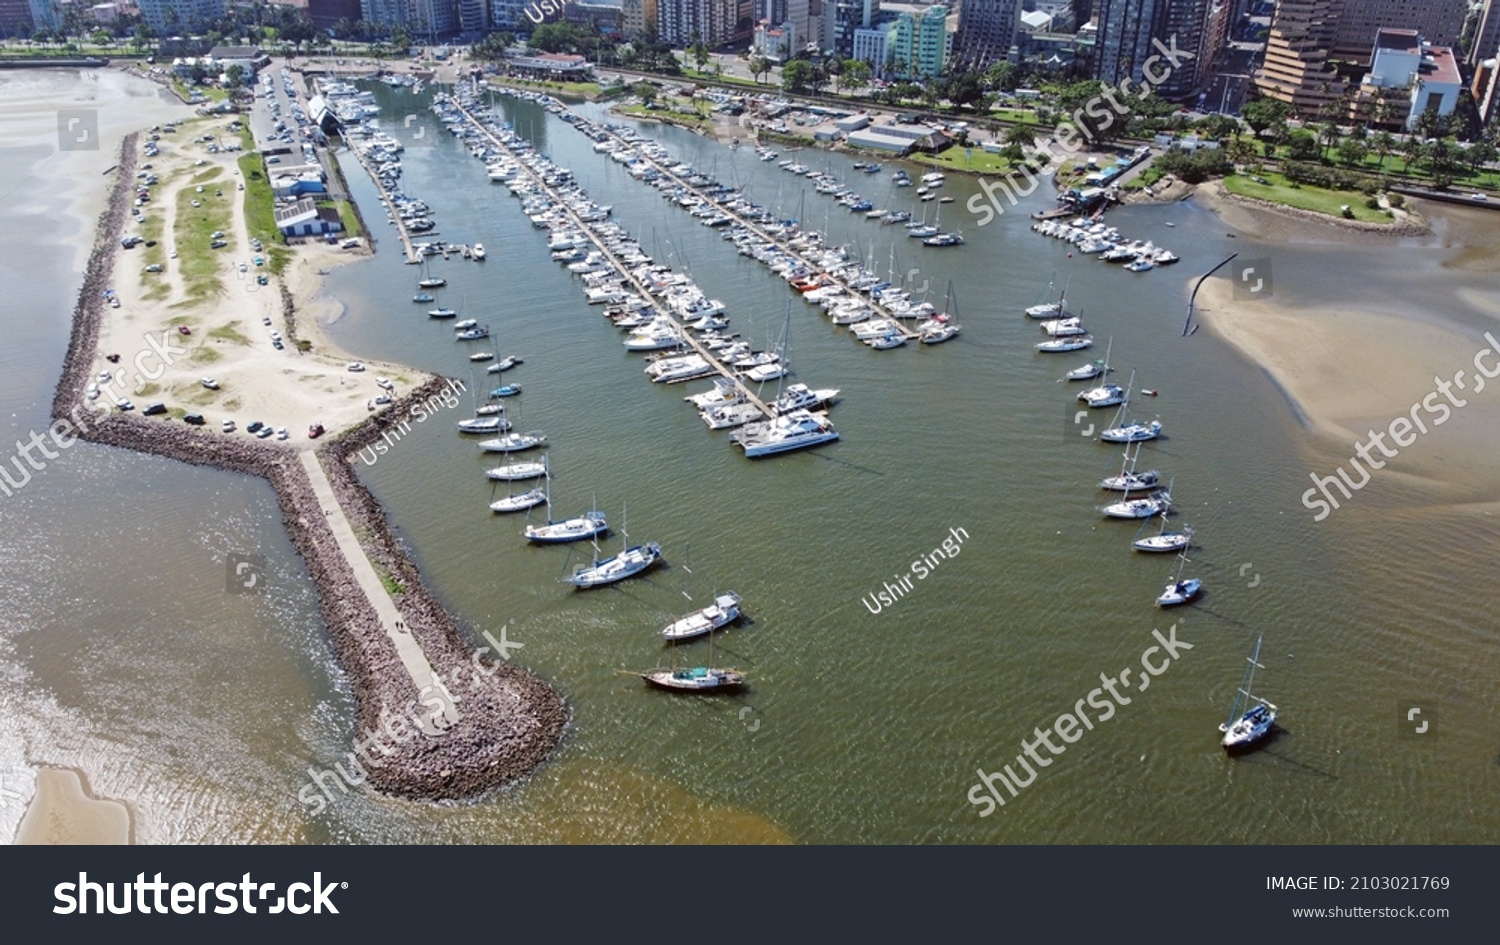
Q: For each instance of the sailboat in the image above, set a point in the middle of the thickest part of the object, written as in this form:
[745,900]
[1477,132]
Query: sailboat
[1179,591]
[724,609]
[1257,722]
[1129,480]
[428,280]
[1049,310]
[520,503]
[1164,541]
[1133,432]
[1095,368]
[628,563]
[587,525]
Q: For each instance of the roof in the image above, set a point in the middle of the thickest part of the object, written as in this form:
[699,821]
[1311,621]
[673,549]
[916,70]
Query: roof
[1438,65]
[235,52]
[296,212]
[1397,39]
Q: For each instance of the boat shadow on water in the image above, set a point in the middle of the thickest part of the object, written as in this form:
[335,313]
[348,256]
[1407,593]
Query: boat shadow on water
[1263,752]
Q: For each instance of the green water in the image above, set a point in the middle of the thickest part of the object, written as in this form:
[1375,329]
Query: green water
[206,710]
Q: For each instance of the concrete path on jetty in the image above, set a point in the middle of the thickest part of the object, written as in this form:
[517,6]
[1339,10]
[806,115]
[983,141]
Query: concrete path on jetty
[424,679]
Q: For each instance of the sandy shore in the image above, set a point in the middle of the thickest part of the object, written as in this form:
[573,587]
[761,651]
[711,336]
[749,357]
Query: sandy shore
[64,811]
[511,720]
[1347,372]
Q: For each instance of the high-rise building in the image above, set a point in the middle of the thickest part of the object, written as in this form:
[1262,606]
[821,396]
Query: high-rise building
[510,15]
[986,30]
[326,13]
[473,16]
[841,18]
[919,43]
[1296,68]
[1439,22]
[385,12]
[714,22]
[1131,32]
[45,13]
[1487,36]
[15,18]
[175,16]
[635,14]
[1126,28]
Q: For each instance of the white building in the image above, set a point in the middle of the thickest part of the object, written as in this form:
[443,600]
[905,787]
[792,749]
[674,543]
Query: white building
[1401,60]
[870,46]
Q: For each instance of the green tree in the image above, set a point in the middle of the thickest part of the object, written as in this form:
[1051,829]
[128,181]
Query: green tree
[1263,114]
[796,75]
[856,74]
[1478,155]
[1328,133]
[1383,144]
[699,52]
[236,74]
[758,66]
[1302,145]
[1353,151]
[1002,75]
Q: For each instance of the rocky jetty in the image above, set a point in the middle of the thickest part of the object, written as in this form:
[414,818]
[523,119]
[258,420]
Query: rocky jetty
[408,744]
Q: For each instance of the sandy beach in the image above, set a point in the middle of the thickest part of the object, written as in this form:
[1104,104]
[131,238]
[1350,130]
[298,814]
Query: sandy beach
[233,323]
[64,811]
[1347,371]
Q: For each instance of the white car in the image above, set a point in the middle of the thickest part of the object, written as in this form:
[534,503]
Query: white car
[281,433]
[210,383]
[383,382]
[227,426]
[356,366]
[244,268]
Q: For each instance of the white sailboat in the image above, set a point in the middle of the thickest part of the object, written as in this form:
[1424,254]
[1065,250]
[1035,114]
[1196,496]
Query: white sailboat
[1244,730]
[577,528]
[628,563]
[1164,541]
[528,499]
[699,679]
[1180,590]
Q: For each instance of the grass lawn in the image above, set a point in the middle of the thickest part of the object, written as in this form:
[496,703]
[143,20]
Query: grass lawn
[1305,197]
[347,217]
[976,160]
[1016,116]
[588,90]
[260,212]
[690,73]
[665,113]
[197,263]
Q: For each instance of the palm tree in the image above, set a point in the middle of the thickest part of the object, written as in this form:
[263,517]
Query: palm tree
[1384,144]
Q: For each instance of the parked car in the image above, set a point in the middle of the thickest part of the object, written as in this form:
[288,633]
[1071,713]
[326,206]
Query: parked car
[154,410]
[254,426]
[227,426]
[315,431]
[196,419]
[154,267]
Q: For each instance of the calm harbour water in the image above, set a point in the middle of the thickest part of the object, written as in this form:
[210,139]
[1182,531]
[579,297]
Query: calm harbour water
[124,655]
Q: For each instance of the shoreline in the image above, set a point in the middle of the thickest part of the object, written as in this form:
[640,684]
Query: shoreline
[511,724]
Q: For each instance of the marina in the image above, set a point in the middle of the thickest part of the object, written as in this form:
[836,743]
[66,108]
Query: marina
[974,437]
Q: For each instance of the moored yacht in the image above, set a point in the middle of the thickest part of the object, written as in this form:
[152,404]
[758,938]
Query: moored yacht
[793,431]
